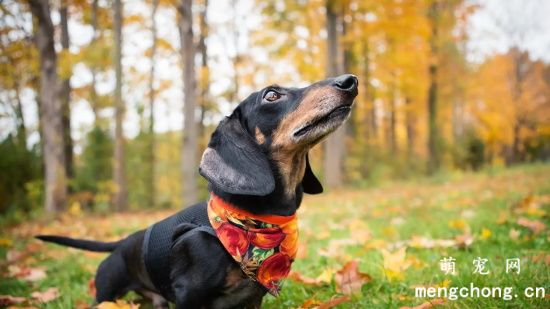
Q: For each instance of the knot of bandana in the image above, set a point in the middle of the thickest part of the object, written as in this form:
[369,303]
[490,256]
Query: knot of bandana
[263,245]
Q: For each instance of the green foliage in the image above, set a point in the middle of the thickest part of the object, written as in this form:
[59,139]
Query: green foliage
[138,167]
[20,168]
[94,165]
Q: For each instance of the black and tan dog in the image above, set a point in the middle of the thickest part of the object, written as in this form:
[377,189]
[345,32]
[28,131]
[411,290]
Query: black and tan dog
[231,251]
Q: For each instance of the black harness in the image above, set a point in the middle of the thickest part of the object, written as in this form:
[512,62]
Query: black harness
[157,244]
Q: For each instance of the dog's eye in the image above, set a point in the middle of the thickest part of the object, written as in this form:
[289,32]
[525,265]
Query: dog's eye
[272,96]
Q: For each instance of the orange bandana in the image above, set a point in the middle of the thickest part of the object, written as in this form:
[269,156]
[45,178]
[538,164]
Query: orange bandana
[263,245]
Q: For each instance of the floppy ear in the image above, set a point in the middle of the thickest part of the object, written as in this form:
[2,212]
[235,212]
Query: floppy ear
[234,163]
[310,183]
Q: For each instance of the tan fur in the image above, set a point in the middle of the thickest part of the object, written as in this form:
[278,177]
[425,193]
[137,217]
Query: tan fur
[306,111]
[260,137]
[291,156]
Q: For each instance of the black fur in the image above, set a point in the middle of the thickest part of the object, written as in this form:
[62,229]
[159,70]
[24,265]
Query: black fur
[239,170]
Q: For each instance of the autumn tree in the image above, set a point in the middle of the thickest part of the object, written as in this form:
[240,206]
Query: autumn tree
[51,109]
[190,141]
[334,144]
[65,91]
[121,192]
[151,199]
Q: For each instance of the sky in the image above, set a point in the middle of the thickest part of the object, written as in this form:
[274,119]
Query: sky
[494,27]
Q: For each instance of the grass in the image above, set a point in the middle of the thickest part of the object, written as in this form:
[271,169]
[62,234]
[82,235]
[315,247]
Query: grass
[358,224]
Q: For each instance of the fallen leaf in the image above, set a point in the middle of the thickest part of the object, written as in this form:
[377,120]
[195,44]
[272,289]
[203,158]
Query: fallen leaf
[395,263]
[503,217]
[428,304]
[296,276]
[326,275]
[312,302]
[541,258]
[333,302]
[459,224]
[534,225]
[119,304]
[375,244]
[485,233]
[91,287]
[349,279]
[464,240]
[6,242]
[26,274]
[428,243]
[514,234]
[7,300]
[46,296]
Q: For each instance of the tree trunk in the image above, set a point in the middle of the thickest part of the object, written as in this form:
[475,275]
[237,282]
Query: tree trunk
[370,126]
[189,151]
[93,92]
[21,128]
[121,192]
[151,194]
[392,135]
[236,57]
[334,144]
[65,94]
[433,151]
[51,110]
[410,123]
[205,82]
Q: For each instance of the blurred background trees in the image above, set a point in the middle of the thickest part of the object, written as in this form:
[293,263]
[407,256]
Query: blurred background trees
[108,106]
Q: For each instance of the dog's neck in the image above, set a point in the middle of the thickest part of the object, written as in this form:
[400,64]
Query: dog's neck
[281,201]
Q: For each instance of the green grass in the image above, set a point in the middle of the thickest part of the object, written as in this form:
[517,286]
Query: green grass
[357,224]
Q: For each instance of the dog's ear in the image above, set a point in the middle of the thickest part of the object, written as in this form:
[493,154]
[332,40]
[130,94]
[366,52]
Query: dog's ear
[310,183]
[233,161]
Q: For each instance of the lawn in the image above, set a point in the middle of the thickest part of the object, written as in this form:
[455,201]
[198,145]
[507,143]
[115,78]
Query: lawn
[396,233]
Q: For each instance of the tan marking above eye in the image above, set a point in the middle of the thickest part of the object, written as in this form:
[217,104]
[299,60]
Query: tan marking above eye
[260,137]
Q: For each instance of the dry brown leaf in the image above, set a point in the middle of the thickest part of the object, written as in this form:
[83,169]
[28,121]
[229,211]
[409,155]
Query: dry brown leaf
[46,296]
[464,240]
[514,234]
[541,258]
[7,300]
[349,280]
[309,303]
[534,225]
[428,304]
[334,301]
[91,287]
[296,276]
[119,304]
[26,273]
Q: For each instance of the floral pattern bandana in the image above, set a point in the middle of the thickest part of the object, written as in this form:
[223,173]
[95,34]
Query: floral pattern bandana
[263,245]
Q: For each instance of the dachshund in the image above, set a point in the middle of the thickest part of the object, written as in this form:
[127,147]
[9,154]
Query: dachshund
[230,251]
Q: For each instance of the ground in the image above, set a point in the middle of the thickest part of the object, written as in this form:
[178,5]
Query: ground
[374,244]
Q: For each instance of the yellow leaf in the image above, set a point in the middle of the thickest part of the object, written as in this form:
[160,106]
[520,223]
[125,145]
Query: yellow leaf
[395,263]
[5,242]
[119,304]
[485,233]
[75,209]
[326,275]
[458,224]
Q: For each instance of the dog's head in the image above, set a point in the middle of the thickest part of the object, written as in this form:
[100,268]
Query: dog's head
[265,140]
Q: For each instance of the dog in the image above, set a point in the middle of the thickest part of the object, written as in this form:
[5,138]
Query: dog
[232,250]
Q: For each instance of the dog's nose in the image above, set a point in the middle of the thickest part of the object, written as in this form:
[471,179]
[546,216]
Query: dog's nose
[346,82]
